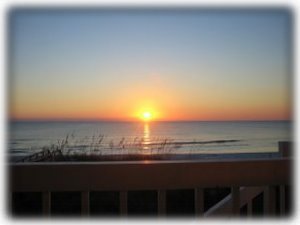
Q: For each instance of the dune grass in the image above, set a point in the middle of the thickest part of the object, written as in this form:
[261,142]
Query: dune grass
[100,148]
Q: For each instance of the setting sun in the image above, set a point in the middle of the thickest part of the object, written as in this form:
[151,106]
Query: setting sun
[147,116]
[147,113]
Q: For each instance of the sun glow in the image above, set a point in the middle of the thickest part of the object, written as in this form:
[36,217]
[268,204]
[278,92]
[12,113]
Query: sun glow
[147,113]
[147,116]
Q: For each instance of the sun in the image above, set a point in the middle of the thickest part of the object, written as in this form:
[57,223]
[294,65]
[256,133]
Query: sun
[147,116]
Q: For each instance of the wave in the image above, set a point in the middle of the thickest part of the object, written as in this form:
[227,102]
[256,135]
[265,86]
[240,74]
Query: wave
[195,142]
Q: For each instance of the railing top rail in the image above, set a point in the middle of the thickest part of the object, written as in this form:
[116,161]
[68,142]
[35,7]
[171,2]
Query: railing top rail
[143,162]
[148,175]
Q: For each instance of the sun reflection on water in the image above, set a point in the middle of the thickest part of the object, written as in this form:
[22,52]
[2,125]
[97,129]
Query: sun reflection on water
[146,139]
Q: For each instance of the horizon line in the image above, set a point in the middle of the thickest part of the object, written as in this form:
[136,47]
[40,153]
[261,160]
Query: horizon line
[152,121]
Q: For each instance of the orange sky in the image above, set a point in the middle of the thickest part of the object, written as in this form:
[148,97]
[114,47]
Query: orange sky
[162,101]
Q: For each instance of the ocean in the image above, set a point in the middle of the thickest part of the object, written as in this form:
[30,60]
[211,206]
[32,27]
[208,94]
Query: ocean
[195,137]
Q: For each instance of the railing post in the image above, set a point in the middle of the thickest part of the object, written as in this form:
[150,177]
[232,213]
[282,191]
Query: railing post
[10,203]
[249,208]
[123,203]
[269,200]
[199,201]
[46,203]
[161,201]
[85,203]
[235,191]
[285,148]
[282,199]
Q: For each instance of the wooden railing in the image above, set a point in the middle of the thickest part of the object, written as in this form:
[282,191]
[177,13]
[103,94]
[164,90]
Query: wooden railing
[160,176]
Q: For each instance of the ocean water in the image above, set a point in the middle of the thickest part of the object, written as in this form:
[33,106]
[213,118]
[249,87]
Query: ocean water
[26,138]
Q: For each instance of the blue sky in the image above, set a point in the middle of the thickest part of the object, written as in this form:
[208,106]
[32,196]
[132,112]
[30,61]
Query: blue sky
[93,57]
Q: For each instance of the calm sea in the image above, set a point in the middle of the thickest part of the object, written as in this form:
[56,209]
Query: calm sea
[129,137]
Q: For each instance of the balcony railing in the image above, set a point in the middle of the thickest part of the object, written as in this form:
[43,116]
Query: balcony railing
[247,178]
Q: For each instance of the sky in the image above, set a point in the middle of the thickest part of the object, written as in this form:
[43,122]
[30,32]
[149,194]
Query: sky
[176,64]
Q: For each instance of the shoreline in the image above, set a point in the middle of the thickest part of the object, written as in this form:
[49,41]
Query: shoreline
[154,157]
